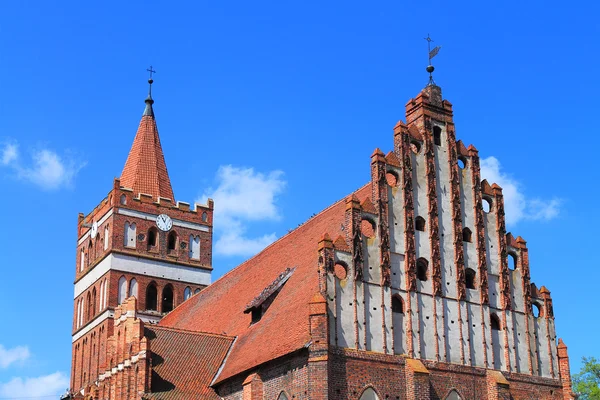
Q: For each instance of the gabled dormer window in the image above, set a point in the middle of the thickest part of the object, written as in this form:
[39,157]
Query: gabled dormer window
[258,307]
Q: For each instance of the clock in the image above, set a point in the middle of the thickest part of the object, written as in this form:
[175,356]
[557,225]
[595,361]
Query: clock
[94,230]
[164,222]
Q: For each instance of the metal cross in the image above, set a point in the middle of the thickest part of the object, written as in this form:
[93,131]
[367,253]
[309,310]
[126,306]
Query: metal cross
[151,71]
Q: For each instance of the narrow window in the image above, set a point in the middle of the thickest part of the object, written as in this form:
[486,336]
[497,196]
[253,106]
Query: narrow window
[130,233]
[105,293]
[187,293]
[122,289]
[466,235]
[151,297]
[172,242]
[512,261]
[106,237]
[495,322]
[81,260]
[487,205]
[437,135]
[152,236]
[397,305]
[133,288]
[204,216]
[123,199]
[101,306]
[194,247]
[369,394]
[167,299]
[93,301]
[420,224]
[90,252]
[82,311]
[470,278]
[422,265]
[256,314]
[536,310]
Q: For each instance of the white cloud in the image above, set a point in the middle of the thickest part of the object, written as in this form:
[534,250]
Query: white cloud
[42,386]
[516,205]
[10,152]
[46,168]
[10,356]
[241,197]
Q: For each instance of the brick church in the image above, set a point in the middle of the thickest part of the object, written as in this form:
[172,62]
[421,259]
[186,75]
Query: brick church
[408,288]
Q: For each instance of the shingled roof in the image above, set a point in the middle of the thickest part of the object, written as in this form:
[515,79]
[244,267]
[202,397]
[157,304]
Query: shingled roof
[145,170]
[184,363]
[284,327]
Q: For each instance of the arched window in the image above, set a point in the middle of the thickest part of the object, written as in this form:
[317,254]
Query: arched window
[194,247]
[536,310]
[369,394]
[172,241]
[462,162]
[197,291]
[367,228]
[93,302]
[466,235]
[495,322]
[391,178]
[152,238]
[487,204]
[167,299]
[130,233]
[282,396]
[512,261]
[90,252]
[397,304]
[82,317]
[78,321]
[106,237]
[204,216]
[187,293]
[101,304]
[123,199]
[453,395]
[420,224]
[133,288]
[437,135]
[151,297]
[81,260]
[470,278]
[88,314]
[122,290]
[105,293]
[422,266]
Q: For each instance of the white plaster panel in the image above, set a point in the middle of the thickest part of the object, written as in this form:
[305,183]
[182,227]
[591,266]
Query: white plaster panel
[516,290]
[520,340]
[152,217]
[332,307]
[374,320]
[494,290]
[491,241]
[445,217]
[372,260]
[360,312]
[142,266]
[535,351]
[542,340]
[396,215]
[345,313]
[414,316]
[511,340]
[398,271]
[400,328]
[452,331]
[475,335]
[427,335]
[488,335]
[553,346]
[387,316]
[498,348]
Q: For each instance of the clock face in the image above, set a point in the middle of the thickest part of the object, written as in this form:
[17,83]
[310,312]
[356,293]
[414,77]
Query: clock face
[94,230]
[164,222]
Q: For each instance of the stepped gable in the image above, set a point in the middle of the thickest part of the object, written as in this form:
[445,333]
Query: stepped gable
[284,327]
[145,170]
[184,363]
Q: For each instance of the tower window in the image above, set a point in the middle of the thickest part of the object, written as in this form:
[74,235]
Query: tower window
[466,234]
[420,224]
[437,135]
[167,299]
[187,293]
[397,304]
[422,266]
[152,238]
[122,295]
[470,278]
[151,297]
[172,241]
[123,199]
[495,322]
[133,288]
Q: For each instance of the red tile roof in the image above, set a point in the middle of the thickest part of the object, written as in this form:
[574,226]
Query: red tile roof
[184,363]
[284,327]
[145,170]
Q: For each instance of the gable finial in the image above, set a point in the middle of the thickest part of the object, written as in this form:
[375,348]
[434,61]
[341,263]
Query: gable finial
[431,53]
[149,101]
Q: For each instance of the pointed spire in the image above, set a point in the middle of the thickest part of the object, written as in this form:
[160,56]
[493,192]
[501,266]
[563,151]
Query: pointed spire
[145,170]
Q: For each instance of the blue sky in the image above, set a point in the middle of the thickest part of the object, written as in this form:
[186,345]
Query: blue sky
[282,103]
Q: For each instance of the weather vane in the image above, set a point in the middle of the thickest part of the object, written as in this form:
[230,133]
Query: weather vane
[432,53]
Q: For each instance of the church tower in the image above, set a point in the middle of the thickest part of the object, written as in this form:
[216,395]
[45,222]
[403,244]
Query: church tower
[137,242]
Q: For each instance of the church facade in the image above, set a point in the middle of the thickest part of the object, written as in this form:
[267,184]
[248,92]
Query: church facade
[408,288]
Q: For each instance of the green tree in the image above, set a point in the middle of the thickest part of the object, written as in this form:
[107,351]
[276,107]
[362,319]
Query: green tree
[586,383]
